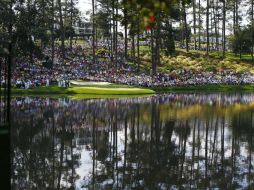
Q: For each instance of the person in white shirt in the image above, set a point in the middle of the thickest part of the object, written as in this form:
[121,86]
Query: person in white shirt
[47,82]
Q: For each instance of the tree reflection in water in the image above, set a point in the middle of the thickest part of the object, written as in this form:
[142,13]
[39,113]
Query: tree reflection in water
[178,141]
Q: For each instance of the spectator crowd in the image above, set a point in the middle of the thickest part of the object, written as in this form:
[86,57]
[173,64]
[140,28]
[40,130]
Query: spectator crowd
[77,65]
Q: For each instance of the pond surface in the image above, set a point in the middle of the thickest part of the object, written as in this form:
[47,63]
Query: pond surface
[171,141]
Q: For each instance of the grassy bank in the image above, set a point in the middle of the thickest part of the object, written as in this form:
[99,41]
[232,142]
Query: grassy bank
[82,96]
[206,88]
[78,90]
[120,91]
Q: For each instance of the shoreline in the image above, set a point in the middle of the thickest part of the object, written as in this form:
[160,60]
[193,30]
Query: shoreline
[83,90]
[122,90]
[206,88]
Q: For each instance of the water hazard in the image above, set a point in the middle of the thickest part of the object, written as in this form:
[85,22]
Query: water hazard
[171,141]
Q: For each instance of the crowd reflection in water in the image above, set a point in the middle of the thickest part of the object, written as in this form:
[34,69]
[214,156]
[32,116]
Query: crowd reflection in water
[173,141]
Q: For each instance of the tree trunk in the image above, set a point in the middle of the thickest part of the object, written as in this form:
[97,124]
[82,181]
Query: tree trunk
[185,27]
[31,49]
[252,26]
[207,27]
[199,25]
[93,43]
[215,12]
[116,37]
[181,33]
[234,18]
[125,32]
[194,23]
[211,23]
[240,51]
[138,50]
[158,40]
[152,48]
[61,28]
[133,48]
[9,66]
[114,31]
[44,23]
[95,25]
[224,27]
[236,14]
[52,33]
[110,33]
[71,35]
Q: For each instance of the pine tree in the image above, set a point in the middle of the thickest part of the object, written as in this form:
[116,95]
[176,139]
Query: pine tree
[252,27]
[224,27]
[207,26]
[194,23]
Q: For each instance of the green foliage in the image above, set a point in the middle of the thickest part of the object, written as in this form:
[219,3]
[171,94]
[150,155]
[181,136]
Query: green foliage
[242,41]
[102,20]
[196,61]
[5,20]
[32,21]
[169,42]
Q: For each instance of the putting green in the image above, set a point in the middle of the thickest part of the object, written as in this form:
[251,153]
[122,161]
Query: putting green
[112,91]
[115,90]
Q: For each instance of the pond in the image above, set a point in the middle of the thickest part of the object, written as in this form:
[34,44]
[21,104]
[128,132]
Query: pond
[167,141]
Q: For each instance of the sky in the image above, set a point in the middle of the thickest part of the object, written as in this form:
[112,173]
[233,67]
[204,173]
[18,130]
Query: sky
[84,6]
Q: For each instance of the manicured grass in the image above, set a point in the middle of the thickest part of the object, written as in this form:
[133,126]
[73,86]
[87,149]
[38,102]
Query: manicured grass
[81,96]
[105,86]
[111,91]
[95,96]
[123,92]
[206,88]
[82,90]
